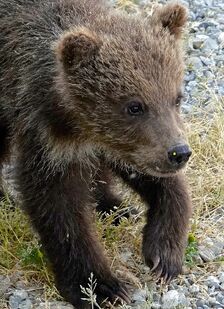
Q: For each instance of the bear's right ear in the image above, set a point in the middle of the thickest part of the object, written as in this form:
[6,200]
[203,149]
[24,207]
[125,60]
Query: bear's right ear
[76,46]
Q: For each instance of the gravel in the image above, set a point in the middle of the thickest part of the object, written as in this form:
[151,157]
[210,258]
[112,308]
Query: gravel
[196,289]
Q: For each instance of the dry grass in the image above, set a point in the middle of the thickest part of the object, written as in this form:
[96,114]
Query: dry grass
[21,254]
[206,169]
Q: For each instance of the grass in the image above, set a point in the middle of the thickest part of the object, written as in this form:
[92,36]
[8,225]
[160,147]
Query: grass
[206,169]
[20,251]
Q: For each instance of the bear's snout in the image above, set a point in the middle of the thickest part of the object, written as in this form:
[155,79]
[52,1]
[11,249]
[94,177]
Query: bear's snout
[179,154]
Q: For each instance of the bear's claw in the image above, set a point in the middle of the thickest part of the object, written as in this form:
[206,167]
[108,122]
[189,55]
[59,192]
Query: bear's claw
[113,290]
[165,263]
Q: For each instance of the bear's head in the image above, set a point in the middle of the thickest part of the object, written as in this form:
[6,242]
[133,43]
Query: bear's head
[123,79]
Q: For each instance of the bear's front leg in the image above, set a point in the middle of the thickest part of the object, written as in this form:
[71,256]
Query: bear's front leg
[57,199]
[165,233]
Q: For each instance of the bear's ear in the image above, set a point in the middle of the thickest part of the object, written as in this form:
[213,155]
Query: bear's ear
[172,16]
[76,46]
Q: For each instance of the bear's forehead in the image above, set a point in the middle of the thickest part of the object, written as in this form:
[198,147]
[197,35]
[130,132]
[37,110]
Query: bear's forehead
[150,60]
[145,49]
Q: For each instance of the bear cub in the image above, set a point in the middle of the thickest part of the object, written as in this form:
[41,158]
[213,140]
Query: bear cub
[88,92]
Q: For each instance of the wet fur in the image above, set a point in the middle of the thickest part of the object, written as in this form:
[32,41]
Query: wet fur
[61,115]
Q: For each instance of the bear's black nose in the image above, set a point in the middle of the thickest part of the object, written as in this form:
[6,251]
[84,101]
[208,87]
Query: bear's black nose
[179,154]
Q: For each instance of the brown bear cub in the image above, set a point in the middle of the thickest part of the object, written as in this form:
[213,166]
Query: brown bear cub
[87,91]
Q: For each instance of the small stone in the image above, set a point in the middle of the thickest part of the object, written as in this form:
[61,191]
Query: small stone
[206,24]
[208,3]
[210,45]
[221,38]
[4,285]
[26,304]
[199,41]
[17,298]
[155,306]
[201,303]
[209,75]
[212,281]
[211,248]
[190,76]
[172,298]
[206,254]
[212,301]
[156,297]
[220,297]
[207,61]
[139,296]
[192,15]
[221,277]
[194,289]
[195,62]
[192,278]
[191,85]
[125,256]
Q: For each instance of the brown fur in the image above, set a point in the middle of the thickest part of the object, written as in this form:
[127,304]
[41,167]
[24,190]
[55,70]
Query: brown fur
[70,70]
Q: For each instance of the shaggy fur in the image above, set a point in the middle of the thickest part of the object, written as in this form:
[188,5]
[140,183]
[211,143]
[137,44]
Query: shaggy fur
[69,70]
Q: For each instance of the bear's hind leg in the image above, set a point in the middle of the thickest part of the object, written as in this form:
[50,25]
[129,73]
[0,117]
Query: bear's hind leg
[58,204]
[107,201]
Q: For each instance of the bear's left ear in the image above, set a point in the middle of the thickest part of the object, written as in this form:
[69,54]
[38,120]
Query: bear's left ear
[77,46]
[172,16]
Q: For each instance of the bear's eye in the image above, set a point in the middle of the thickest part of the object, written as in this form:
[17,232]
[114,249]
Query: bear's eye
[135,108]
[179,100]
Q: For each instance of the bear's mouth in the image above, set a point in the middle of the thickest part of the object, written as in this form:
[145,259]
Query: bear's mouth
[166,172]
[161,173]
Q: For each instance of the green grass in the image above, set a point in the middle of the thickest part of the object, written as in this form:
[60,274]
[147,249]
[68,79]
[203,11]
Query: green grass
[191,251]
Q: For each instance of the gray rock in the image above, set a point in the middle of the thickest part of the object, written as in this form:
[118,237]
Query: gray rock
[199,41]
[209,74]
[155,306]
[220,298]
[172,298]
[210,249]
[206,254]
[213,302]
[221,277]
[195,62]
[4,285]
[17,298]
[139,296]
[207,61]
[125,256]
[26,304]
[201,303]
[191,85]
[194,289]
[206,24]
[213,281]
[156,297]
[190,76]
[210,45]
[221,39]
